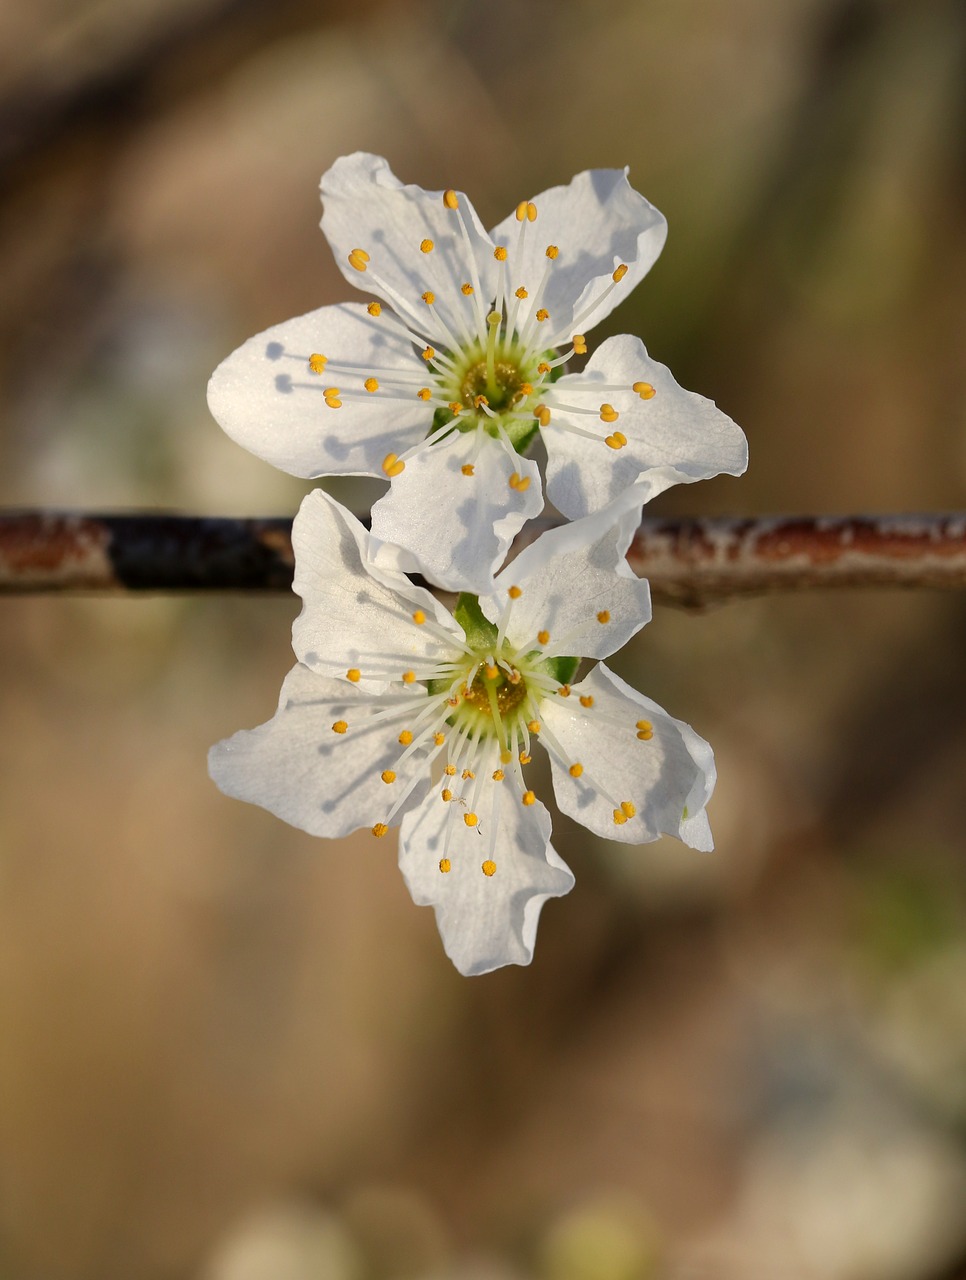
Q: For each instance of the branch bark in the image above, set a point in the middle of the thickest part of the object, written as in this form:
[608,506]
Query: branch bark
[689,562]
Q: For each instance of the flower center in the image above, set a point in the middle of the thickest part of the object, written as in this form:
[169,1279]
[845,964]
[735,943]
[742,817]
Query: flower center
[501,391]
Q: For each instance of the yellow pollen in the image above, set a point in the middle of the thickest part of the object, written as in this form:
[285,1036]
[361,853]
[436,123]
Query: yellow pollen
[340,726]
[603,616]
[586,700]
[353,674]
[531,211]
[563,691]
[644,390]
[534,726]
[628,809]
[429,297]
[371,384]
[374,308]
[514,593]
[518,482]
[419,617]
[488,867]
[424,393]
[619,818]
[524,758]
[580,344]
[444,865]
[616,441]
[427,353]
[317,362]
[543,367]
[455,408]
[576,770]
[552,251]
[446,795]
[405,738]
[466,289]
[645,735]
[543,637]
[620,273]
[521,210]
[332,399]
[380,829]
[470,819]
[451,200]
[543,314]
[506,757]
[358,258]
[498,775]
[426,246]
[479,401]
[467,468]
[388,776]
[526,389]
[500,253]
[393,465]
[492,673]
[529,797]
[408,677]
[468,773]
[439,738]
[608,413]
[521,293]
[542,415]
[643,725]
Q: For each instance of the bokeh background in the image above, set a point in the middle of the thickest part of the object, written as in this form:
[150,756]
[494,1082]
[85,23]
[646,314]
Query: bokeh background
[232,1052]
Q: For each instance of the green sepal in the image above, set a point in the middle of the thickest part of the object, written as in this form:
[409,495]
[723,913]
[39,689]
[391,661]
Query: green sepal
[562,668]
[480,632]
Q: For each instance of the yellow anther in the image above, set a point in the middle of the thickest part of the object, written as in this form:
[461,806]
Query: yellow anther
[455,408]
[531,211]
[616,441]
[603,617]
[424,393]
[586,700]
[446,795]
[317,362]
[451,199]
[580,344]
[620,273]
[534,726]
[643,725]
[388,776]
[331,391]
[542,415]
[628,808]
[419,617]
[498,775]
[619,818]
[521,210]
[470,819]
[645,735]
[439,738]
[340,726]
[492,672]
[467,468]
[353,674]
[543,637]
[374,308]
[488,867]
[409,677]
[552,251]
[405,738]
[514,677]
[608,413]
[393,465]
[426,246]
[444,865]
[518,482]
[429,297]
[380,829]
[563,691]
[467,773]
[371,384]
[479,401]
[514,593]
[543,314]
[644,390]
[500,253]
[506,757]
[466,289]
[358,258]
[576,770]
[332,398]
[521,293]
[524,758]
[427,353]
[543,367]
[529,797]
[526,389]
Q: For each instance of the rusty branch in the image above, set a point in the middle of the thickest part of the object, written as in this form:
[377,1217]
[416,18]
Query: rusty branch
[688,561]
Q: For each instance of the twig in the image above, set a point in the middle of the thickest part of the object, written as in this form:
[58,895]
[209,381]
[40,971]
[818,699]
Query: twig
[689,562]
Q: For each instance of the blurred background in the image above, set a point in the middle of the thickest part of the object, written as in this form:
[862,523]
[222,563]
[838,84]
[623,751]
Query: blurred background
[231,1052]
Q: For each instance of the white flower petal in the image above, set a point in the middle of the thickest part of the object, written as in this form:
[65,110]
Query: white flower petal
[485,921]
[267,399]
[675,437]
[324,782]
[355,614]
[668,778]
[458,527]
[598,222]
[365,206]
[576,584]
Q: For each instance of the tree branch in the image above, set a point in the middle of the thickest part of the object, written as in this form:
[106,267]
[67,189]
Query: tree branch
[689,562]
